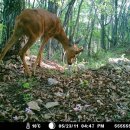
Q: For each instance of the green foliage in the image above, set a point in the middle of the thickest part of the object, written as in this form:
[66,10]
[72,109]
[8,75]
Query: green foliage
[1,28]
[27,97]
[26,85]
[104,6]
[35,47]
[100,58]
[84,83]
[96,34]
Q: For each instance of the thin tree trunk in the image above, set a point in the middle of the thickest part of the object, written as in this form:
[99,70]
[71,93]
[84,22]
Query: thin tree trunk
[115,24]
[102,32]
[77,20]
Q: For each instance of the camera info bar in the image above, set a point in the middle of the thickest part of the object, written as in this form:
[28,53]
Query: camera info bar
[62,125]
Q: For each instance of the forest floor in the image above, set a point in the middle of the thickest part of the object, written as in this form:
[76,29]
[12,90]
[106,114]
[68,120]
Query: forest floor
[90,95]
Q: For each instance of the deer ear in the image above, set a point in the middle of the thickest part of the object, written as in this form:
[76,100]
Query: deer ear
[75,46]
[79,50]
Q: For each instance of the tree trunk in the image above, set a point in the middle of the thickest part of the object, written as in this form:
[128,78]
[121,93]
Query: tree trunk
[52,7]
[68,13]
[115,24]
[12,8]
[102,32]
[77,20]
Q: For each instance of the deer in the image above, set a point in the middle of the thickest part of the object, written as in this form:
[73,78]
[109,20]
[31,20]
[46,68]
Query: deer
[39,23]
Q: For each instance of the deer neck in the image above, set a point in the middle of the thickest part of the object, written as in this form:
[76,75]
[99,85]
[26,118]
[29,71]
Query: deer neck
[62,38]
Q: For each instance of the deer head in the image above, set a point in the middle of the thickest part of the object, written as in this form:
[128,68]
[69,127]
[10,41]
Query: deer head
[71,53]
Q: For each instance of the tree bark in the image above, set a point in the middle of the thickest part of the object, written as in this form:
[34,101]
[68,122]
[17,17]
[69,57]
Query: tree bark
[115,23]
[12,8]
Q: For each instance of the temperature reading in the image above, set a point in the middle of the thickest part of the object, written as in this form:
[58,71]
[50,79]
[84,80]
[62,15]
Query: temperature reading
[36,125]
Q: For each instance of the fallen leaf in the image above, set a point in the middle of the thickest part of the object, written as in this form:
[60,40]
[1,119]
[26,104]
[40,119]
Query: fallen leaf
[33,105]
[51,104]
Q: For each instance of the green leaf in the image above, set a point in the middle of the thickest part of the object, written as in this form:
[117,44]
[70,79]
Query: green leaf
[26,85]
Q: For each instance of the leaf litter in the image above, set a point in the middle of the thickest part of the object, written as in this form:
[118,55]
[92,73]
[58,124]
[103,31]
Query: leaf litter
[91,96]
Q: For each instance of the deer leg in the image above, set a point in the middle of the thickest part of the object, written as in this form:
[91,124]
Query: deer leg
[41,50]
[22,54]
[39,56]
[8,45]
